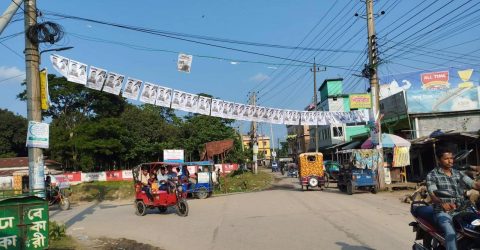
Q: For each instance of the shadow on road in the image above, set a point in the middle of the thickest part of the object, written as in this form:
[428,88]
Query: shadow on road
[80,216]
[346,246]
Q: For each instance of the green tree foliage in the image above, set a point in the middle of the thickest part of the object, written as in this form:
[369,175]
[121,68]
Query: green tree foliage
[13,133]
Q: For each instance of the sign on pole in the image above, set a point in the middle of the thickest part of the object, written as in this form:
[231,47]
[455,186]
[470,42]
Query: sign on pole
[37,134]
[173,155]
[44,89]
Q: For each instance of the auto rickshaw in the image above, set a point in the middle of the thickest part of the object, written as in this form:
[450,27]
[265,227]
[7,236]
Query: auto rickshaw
[171,194]
[203,188]
[311,170]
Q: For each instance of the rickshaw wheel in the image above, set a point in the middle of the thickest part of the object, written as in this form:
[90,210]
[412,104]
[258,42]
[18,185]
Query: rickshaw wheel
[202,193]
[162,209]
[349,188]
[374,190]
[182,208]
[141,209]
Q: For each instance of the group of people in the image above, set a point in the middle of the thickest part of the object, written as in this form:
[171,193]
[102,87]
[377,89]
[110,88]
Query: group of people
[163,179]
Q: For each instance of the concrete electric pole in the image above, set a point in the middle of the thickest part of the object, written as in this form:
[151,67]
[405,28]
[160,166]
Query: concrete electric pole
[8,14]
[34,113]
[374,87]
[315,69]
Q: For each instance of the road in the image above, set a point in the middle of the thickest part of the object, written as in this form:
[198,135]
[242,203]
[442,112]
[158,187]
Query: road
[281,218]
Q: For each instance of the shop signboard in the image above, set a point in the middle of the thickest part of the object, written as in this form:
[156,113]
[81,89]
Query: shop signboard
[445,90]
[360,101]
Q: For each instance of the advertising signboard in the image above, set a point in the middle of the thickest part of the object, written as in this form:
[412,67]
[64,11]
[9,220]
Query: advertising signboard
[173,155]
[360,101]
[452,89]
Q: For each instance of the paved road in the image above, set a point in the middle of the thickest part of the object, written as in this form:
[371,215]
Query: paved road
[281,218]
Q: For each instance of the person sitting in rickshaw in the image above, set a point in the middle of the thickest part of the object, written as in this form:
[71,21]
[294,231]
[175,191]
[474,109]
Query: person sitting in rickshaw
[144,178]
[152,182]
[162,178]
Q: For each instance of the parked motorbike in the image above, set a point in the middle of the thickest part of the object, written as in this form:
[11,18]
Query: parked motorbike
[56,196]
[292,172]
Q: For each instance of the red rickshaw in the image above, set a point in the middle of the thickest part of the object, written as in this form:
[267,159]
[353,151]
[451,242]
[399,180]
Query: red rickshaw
[161,197]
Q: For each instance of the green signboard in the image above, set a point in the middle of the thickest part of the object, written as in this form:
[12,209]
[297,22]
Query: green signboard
[23,223]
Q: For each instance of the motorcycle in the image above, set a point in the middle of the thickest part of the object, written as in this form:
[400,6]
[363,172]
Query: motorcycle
[292,172]
[56,196]
[466,220]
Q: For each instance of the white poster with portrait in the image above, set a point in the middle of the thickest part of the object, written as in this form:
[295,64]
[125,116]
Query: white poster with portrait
[96,78]
[321,118]
[361,115]
[179,99]
[277,116]
[248,113]
[77,72]
[238,110]
[291,117]
[217,108]
[60,64]
[114,83]
[164,96]
[259,113]
[332,118]
[149,93]
[132,88]
[228,108]
[204,104]
[191,103]
[184,63]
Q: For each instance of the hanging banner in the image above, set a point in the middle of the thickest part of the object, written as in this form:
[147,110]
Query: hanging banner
[248,113]
[132,88]
[77,72]
[179,99]
[114,83]
[217,108]
[278,117]
[149,93]
[44,97]
[291,117]
[164,97]
[96,78]
[204,104]
[308,118]
[360,101]
[60,64]
[184,63]
[37,135]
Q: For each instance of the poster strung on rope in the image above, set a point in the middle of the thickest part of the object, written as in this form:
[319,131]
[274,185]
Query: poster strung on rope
[308,118]
[114,83]
[60,64]
[179,99]
[248,113]
[191,103]
[204,104]
[96,78]
[291,117]
[164,97]
[149,93]
[227,110]
[184,63]
[132,88]
[77,72]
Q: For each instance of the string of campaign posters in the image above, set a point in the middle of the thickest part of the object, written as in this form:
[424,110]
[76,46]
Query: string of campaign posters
[114,83]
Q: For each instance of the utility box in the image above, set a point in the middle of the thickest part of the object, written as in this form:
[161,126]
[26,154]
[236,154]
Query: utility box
[23,223]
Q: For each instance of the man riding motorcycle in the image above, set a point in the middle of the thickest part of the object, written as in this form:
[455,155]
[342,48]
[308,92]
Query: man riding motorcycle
[446,178]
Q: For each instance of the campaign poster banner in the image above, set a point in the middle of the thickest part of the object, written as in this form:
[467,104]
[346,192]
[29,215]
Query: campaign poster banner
[173,155]
[451,89]
[114,83]
[77,72]
[132,88]
[204,105]
[308,118]
[127,174]
[217,108]
[164,97]
[60,64]
[360,101]
[184,63]
[114,175]
[149,93]
[191,103]
[73,176]
[96,78]
[98,176]
[179,99]
[291,117]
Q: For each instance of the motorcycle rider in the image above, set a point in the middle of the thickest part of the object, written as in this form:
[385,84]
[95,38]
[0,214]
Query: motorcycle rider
[445,178]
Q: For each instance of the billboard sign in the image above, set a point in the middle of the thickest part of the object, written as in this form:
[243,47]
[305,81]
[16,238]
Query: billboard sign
[173,155]
[452,89]
[393,107]
[360,101]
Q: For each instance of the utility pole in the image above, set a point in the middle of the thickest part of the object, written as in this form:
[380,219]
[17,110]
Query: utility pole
[315,69]
[374,87]
[34,113]
[274,153]
[8,14]
[253,134]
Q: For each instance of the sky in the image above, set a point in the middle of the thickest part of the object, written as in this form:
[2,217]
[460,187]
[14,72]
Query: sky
[445,32]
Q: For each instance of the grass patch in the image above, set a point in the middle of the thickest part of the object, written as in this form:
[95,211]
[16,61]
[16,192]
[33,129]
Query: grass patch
[67,242]
[244,181]
[102,190]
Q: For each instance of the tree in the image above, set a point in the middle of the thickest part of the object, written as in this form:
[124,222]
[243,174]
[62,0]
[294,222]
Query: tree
[13,133]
